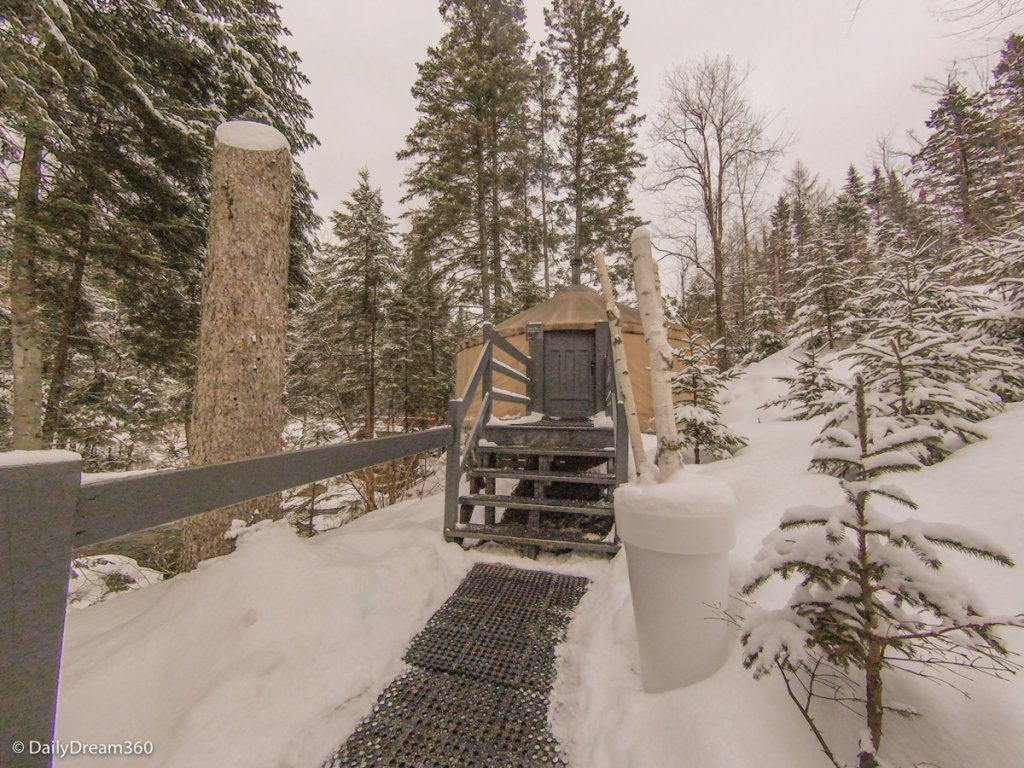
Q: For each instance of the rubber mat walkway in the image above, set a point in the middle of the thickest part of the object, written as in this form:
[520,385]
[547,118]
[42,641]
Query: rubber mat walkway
[476,695]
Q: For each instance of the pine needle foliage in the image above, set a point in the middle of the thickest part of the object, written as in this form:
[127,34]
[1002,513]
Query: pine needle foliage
[873,598]
[811,389]
[699,416]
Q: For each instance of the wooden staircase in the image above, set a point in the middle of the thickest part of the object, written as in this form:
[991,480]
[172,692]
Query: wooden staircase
[545,483]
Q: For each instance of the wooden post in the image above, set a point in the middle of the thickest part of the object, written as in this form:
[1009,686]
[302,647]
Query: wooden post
[535,339]
[453,467]
[621,368]
[652,315]
[487,386]
[38,496]
[238,409]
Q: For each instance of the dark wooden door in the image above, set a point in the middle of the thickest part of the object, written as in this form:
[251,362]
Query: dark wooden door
[569,365]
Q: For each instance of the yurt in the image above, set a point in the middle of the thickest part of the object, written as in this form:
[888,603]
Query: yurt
[575,361]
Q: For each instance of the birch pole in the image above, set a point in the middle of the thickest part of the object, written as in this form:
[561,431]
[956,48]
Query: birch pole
[652,315]
[621,368]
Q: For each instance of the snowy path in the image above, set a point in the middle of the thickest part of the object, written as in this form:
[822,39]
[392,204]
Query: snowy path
[477,692]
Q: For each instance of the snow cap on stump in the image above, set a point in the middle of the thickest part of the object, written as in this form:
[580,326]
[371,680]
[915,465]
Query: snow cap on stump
[245,134]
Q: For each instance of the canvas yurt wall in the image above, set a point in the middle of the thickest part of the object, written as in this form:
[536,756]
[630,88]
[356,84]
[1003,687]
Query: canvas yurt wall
[575,308]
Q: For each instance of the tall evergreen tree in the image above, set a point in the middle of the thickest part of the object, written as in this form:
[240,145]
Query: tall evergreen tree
[957,164]
[121,116]
[546,106]
[466,145]
[851,221]
[825,279]
[779,249]
[343,323]
[1006,100]
[597,143]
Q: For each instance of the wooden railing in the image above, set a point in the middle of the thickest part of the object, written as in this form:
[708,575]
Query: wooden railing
[46,512]
[482,378]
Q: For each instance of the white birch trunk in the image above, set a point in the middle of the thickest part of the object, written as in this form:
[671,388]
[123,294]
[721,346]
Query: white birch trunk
[622,369]
[238,408]
[652,314]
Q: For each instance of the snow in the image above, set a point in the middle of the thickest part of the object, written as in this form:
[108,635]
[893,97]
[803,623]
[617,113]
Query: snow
[245,134]
[531,418]
[271,655]
[28,458]
[97,578]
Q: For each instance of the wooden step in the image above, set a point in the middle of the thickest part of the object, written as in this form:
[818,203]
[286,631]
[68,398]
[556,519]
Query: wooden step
[599,508]
[549,435]
[507,450]
[544,477]
[530,537]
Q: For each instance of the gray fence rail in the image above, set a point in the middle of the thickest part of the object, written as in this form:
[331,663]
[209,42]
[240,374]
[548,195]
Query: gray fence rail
[45,512]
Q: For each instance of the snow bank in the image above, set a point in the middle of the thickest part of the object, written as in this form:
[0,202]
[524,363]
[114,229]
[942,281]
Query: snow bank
[268,656]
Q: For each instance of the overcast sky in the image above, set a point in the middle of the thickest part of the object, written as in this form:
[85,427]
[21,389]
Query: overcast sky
[836,75]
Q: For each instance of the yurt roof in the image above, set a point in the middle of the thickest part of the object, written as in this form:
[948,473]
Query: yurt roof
[575,307]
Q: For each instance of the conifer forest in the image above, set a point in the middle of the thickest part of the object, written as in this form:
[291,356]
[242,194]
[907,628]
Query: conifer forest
[525,157]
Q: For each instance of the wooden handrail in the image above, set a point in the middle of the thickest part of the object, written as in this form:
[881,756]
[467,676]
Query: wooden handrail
[112,508]
[506,346]
[483,374]
[45,511]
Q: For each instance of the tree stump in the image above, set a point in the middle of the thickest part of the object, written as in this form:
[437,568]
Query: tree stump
[238,409]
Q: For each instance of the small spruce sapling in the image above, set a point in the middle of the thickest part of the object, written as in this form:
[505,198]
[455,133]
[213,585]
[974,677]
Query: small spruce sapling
[928,348]
[873,598]
[811,390]
[699,417]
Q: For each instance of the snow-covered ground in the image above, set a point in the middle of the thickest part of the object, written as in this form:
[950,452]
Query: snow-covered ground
[271,655]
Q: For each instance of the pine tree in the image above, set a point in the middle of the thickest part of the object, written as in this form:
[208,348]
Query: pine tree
[780,250]
[597,143]
[873,598]
[766,325]
[699,417]
[811,390]
[957,165]
[998,262]
[926,351]
[546,109]
[851,222]
[130,98]
[343,324]
[471,95]
[1006,102]
[825,284]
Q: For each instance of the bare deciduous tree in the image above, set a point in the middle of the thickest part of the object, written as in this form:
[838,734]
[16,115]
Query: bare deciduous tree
[707,142]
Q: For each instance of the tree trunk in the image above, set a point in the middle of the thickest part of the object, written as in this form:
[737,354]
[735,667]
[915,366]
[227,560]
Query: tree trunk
[544,198]
[720,328]
[62,354]
[652,314]
[26,321]
[238,408]
[481,236]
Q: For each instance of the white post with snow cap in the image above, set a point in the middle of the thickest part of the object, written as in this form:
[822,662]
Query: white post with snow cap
[677,537]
